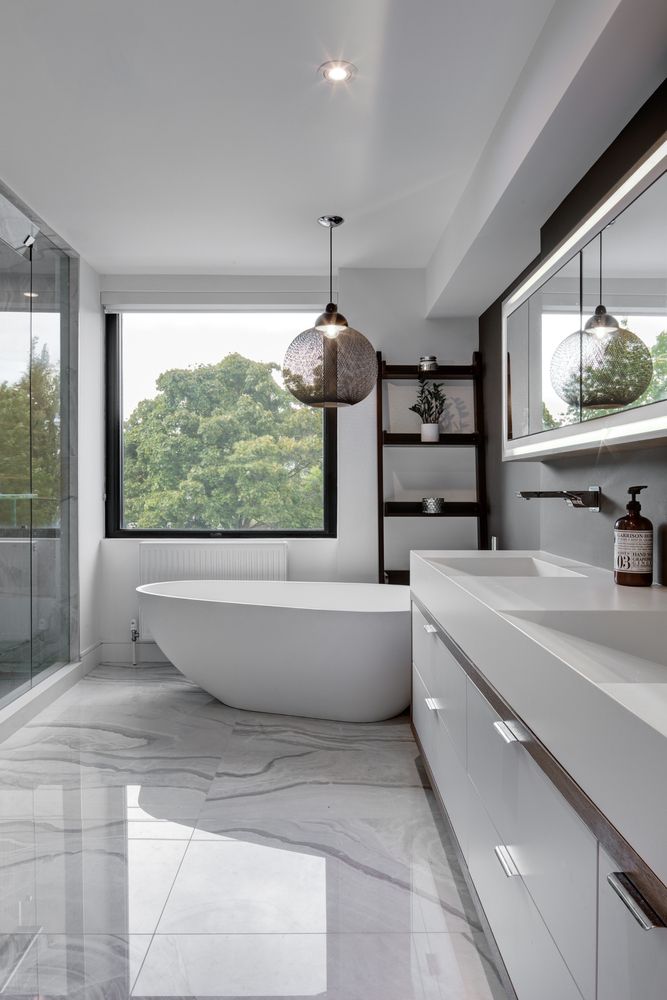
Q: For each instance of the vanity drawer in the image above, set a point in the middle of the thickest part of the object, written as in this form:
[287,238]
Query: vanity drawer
[423,644]
[443,677]
[632,961]
[493,763]
[424,719]
[531,957]
[448,772]
[557,858]
[554,852]
[453,784]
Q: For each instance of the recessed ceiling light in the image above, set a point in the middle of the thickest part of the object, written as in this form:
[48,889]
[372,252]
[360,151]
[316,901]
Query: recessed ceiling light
[31,295]
[337,71]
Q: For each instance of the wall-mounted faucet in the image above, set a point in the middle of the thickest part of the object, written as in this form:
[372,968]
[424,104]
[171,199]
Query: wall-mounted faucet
[590,499]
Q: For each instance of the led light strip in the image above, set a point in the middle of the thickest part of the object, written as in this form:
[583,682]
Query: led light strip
[604,435]
[617,196]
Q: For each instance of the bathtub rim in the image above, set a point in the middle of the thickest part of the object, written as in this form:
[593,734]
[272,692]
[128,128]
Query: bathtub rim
[395,598]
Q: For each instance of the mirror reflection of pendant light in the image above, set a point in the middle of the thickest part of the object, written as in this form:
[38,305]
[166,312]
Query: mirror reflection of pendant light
[601,321]
[330,365]
[604,366]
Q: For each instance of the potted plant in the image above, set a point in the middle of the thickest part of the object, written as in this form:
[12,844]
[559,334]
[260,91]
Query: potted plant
[429,407]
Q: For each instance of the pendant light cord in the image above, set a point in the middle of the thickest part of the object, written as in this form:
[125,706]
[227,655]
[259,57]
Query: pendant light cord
[331,264]
[601,267]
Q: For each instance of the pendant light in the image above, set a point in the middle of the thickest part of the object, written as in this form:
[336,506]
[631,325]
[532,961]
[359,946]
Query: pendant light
[601,321]
[330,365]
[604,366]
[331,322]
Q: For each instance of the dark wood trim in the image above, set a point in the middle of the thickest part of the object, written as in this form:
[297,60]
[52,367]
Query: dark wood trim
[112,429]
[642,132]
[114,461]
[379,407]
[445,440]
[397,576]
[644,878]
[476,901]
[413,508]
[397,508]
[446,373]
[480,454]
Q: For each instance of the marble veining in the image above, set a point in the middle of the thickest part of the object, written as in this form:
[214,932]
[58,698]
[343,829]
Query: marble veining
[155,843]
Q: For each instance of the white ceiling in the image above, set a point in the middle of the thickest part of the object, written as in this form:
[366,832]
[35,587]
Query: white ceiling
[195,136]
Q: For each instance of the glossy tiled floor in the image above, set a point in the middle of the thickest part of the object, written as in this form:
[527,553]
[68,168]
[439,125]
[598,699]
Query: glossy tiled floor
[154,843]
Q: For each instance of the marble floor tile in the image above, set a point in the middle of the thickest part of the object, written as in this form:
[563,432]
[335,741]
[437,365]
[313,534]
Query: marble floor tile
[309,783]
[332,967]
[380,871]
[159,797]
[236,887]
[96,886]
[276,734]
[148,831]
[94,967]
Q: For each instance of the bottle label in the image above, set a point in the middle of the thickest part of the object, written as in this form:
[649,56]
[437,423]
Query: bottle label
[633,551]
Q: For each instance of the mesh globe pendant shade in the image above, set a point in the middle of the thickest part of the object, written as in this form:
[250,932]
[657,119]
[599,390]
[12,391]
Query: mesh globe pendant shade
[603,366]
[327,371]
[330,365]
[603,371]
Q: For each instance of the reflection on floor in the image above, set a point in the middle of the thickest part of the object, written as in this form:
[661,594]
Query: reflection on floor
[154,843]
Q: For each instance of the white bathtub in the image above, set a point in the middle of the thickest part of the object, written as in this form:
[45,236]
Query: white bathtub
[324,650]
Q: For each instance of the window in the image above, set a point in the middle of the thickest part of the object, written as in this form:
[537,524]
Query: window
[203,439]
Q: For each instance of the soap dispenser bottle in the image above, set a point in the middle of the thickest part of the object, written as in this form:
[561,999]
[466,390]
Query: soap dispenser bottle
[633,546]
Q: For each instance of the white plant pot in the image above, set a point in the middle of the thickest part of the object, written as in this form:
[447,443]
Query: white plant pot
[430,432]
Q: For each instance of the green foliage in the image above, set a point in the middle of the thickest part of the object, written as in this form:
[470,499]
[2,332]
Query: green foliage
[30,423]
[431,402]
[549,422]
[657,388]
[223,447]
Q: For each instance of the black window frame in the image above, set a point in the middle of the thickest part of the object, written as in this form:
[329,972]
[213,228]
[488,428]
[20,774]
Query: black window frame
[114,460]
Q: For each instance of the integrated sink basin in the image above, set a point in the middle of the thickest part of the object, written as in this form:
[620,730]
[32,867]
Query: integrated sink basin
[608,647]
[501,565]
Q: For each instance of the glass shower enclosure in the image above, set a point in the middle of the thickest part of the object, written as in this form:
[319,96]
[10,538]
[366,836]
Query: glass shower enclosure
[35,496]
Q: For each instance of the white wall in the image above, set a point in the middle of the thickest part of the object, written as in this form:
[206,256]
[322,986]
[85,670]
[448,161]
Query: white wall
[388,307]
[91,455]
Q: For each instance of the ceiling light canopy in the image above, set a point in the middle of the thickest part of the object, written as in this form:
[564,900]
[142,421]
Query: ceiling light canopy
[337,71]
[330,365]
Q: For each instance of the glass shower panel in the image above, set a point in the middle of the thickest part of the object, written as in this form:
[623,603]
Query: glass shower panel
[15,475]
[49,446]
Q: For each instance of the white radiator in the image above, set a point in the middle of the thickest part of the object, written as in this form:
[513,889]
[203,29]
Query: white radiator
[222,560]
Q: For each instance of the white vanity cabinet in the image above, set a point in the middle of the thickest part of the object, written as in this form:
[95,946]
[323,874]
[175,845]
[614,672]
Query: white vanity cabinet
[533,962]
[531,859]
[439,714]
[632,959]
[553,853]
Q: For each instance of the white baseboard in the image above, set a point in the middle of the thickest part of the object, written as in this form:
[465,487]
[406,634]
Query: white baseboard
[121,652]
[45,692]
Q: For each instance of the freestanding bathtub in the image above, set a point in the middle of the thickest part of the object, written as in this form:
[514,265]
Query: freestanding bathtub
[324,650]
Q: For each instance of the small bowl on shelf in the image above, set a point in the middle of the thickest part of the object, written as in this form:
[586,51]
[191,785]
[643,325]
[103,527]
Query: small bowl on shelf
[433,505]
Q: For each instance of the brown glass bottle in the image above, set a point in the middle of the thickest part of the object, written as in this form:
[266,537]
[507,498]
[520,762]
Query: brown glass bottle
[633,545]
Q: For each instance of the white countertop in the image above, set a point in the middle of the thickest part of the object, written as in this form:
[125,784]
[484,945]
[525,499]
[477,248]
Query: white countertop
[581,660]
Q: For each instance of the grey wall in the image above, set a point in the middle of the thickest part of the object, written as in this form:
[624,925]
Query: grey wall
[551,524]
[515,523]
[582,535]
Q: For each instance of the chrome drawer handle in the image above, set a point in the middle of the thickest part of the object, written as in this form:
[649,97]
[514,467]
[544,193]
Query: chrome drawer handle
[430,629]
[628,893]
[506,862]
[506,733]
[434,704]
